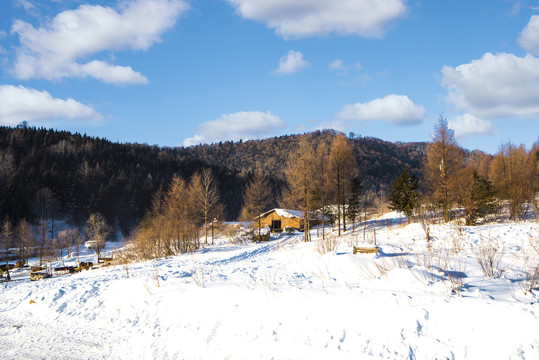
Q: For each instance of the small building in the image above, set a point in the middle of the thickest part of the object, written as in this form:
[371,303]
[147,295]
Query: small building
[279,219]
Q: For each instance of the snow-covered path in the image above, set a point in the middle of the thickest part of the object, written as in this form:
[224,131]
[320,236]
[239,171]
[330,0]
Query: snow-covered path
[282,300]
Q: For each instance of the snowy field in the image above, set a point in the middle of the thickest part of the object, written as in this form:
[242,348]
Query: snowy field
[283,299]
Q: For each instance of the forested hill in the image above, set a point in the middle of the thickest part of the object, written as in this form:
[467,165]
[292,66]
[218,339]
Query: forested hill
[379,161]
[89,175]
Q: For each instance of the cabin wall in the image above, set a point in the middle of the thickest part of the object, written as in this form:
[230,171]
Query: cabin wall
[266,221]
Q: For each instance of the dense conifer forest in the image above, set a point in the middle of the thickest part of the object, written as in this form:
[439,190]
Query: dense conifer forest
[87,175]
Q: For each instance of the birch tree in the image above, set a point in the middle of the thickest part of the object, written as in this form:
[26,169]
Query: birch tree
[206,196]
[98,230]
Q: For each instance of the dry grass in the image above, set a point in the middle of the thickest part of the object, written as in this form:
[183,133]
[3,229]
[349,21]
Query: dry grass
[242,236]
[327,244]
[198,276]
[534,242]
[531,276]
[455,273]
[378,268]
[457,243]
[155,275]
[490,259]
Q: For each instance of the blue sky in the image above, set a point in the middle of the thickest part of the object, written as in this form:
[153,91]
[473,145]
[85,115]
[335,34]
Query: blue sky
[182,72]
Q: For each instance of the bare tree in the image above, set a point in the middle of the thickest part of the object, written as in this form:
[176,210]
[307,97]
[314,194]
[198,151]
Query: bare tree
[209,199]
[257,197]
[45,205]
[181,216]
[98,230]
[462,190]
[6,237]
[77,239]
[533,165]
[322,184]
[25,238]
[170,227]
[206,196]
[513,178]
[64,241]
[342,168]
[300,181]
[42,239]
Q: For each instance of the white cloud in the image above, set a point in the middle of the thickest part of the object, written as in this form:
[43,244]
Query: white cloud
[25,4]
[112,74]
[396,109]
[54,50]
[468,124]
[337,65]
[291,63]
[241,125]
[305,18]
[500,85]
[529,37]
[516,9]
[18,103]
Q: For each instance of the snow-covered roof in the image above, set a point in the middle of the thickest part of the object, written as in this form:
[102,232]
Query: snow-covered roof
[292,214]
[285,213]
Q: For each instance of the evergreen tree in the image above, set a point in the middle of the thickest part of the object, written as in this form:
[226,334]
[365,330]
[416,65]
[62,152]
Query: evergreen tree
[403,195]
[354,201]
[483,198]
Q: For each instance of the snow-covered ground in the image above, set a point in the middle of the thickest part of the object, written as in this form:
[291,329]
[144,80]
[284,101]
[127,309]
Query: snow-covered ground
[283,299]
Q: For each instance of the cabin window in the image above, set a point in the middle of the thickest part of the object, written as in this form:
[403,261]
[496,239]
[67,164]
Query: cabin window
[275,224]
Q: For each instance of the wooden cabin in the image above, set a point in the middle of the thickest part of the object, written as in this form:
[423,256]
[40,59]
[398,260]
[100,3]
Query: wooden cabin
[279,219]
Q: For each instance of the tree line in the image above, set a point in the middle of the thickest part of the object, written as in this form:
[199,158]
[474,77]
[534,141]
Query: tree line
[87,175]
[474,183]
[166,197]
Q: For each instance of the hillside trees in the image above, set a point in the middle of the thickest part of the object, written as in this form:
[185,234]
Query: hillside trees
[404,194]
[88,175]
[342,168]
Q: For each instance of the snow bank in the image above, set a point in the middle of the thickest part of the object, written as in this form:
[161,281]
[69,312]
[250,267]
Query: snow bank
[283,300]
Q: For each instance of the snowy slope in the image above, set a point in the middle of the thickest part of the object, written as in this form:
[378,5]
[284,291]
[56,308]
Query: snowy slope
[284,300]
